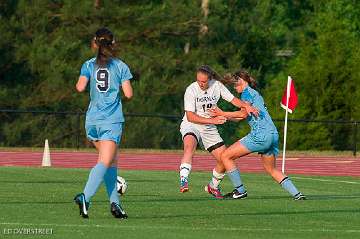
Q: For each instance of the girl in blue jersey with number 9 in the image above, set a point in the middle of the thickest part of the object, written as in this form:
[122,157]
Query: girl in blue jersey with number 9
[104,118]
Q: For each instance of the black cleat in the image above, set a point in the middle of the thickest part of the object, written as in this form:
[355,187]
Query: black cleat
[83,205]
[117,211]
[235,195]
[299,196]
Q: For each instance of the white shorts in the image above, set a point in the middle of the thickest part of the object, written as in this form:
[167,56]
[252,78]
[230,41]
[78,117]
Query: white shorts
[207,134]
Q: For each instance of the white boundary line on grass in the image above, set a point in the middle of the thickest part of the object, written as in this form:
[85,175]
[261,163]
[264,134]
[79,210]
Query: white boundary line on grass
[177,228]
[326,180]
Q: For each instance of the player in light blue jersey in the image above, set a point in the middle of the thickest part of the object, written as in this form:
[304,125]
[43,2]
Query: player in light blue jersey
[106,74]
[263,138]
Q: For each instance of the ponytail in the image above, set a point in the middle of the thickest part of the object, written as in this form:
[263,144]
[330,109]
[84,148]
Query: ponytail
[245,76]
[229,79]
[104,39]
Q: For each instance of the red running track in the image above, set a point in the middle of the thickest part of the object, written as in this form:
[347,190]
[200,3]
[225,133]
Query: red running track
[330,166]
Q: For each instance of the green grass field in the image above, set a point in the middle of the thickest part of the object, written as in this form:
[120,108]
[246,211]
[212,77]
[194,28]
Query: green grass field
[42,198]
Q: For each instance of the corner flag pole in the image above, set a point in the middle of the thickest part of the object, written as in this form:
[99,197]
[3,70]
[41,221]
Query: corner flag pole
[286,119]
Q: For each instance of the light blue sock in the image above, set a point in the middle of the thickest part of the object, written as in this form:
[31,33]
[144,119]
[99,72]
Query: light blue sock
[110,183]
[289,186]
[236,180]
[95,179]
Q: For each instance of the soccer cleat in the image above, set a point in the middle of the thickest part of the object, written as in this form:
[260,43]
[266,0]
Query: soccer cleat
[216,192]
[235,195]
[299,196]
[117,211]
[184,184]
[83,205]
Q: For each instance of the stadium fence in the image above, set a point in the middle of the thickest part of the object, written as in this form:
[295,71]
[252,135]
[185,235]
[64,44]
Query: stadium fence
[65,129]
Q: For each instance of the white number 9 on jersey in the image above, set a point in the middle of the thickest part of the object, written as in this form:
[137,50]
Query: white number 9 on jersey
[102,80]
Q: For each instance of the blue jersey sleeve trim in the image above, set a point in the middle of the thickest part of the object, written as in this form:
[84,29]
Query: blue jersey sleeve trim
[86,69]
[247,96]
[124,71]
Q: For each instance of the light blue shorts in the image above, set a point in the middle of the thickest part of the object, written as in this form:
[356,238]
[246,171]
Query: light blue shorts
[267,144]
[98,132]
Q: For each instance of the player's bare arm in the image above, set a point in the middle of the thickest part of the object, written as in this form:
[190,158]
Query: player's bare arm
[194,118]
[246,105]
[127,89]
[233,116]
[81,84]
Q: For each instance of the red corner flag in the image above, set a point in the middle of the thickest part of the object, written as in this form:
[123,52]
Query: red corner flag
[290,97]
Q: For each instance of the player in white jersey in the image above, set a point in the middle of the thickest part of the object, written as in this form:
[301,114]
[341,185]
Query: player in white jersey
[197,124]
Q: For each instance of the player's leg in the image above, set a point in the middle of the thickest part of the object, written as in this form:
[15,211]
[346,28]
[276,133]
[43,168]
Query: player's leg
[80,199]
[215,145]
[190,143]
[107,150]
[269,163]
[228,158]
[110,178]
[218,173]
[190,136]
[219,170]
[113,132]
[107,154]
[96,144]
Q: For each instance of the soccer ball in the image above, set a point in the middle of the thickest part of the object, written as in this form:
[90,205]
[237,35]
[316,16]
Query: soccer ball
[121,185]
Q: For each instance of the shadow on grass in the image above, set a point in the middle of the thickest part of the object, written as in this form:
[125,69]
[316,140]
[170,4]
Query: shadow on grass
[240,214]
[105,201]
[83,181]
[148,180]
[209,198]
[308,197]
[156,199]
[332,197]
[45,182]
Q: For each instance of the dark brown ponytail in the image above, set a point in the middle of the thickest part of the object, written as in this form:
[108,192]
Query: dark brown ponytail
[229,79]
[245,76]
[104,39]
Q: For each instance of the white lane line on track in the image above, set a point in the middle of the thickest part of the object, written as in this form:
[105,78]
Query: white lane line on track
[326,180]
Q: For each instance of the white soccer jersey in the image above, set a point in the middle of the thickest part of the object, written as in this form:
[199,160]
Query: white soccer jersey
[200,101]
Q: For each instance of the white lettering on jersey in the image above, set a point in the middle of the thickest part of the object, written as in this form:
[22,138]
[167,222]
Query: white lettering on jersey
[198,101]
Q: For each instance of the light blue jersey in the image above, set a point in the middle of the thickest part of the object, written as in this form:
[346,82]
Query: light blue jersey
[263,137]
[105,103]
[263,123]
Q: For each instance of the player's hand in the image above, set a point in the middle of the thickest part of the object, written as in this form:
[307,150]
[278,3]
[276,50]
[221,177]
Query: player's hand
[219,120]
[216,112]
[251,110]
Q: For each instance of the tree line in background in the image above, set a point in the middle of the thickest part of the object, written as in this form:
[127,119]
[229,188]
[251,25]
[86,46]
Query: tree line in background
[43,44]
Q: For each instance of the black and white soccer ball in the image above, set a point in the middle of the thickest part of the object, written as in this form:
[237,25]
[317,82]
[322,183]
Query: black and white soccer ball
[121,185]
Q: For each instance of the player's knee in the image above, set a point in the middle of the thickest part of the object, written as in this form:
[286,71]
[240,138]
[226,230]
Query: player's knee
[189,149]
[269,169]
[225,156]
[107,163]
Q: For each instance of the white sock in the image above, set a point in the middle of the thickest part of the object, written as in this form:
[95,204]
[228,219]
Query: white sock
[216,179]
[185,169]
